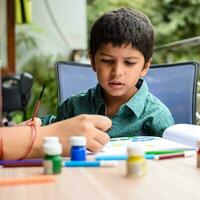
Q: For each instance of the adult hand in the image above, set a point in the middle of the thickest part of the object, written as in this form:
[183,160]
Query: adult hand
[36,122]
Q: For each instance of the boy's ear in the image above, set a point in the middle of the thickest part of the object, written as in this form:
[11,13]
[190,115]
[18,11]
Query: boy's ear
[146,67]
[92,62]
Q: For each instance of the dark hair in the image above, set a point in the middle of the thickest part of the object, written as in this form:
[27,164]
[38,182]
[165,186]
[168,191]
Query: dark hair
[123,26]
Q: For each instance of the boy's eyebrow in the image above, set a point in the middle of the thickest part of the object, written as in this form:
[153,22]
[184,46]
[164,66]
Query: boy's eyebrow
[105,54]
[131,57]
[128,57]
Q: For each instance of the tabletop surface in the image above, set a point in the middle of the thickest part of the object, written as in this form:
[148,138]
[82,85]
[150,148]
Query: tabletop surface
[166,179]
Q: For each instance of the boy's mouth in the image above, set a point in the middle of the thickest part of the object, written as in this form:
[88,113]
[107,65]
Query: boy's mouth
[116,84]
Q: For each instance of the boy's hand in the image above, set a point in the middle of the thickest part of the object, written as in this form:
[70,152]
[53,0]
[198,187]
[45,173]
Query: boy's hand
[93,127]
[95,134]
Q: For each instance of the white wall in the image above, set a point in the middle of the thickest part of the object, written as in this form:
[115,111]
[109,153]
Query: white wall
[3,34]
[70,17]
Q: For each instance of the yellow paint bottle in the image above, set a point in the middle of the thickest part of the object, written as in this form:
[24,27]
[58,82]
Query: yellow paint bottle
[136,162]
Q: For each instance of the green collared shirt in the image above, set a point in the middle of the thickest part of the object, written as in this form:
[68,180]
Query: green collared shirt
[143,114]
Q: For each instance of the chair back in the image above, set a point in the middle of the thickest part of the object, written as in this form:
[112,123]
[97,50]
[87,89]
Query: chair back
[174,84]
[73,78]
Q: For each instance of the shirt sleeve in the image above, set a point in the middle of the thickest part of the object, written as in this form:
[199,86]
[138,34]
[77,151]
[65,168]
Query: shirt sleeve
[63,112]
[48,119]
[158,122]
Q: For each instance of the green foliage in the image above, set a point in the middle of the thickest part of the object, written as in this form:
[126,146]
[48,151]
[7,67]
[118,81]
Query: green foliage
[176,19]
[173,20]
[41,66]
[95,8]
[43,70]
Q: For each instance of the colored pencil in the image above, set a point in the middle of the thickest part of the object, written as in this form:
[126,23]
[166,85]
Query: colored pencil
[174,155]
[90,164]
[27,180]
[158,152]
[22,163]
[120,157]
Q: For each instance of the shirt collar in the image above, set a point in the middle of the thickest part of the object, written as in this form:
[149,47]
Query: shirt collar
[99,102]
[137,102]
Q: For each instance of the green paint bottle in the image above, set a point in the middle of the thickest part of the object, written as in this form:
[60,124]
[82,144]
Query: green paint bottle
[52,155]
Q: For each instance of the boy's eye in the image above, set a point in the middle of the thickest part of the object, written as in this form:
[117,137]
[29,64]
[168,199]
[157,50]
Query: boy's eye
[129,62]
[109,61]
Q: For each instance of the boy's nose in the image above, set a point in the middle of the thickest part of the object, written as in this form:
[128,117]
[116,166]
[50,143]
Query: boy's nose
[117,70]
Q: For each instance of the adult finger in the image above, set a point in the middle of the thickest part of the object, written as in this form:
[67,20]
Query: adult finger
[36,122]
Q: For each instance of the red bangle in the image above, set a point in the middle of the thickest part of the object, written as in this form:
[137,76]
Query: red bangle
[1,145]
[34,133]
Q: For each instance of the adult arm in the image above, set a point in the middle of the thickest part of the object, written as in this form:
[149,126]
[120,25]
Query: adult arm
[16,140]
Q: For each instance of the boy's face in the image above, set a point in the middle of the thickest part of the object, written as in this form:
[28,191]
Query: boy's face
[119,69]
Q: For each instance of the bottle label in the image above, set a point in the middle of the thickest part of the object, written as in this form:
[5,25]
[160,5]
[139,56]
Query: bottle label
[78,153]
[48,166]
[137,168]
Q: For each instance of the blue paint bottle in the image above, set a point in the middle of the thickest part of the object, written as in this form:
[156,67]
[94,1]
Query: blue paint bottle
[78,148]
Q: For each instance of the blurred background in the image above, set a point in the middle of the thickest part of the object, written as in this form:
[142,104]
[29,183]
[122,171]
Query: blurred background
[36,34]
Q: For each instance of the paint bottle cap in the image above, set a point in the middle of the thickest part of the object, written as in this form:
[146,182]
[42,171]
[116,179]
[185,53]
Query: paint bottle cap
[52,149]
[52,146]
[135,150]
[51,139]
[78,141]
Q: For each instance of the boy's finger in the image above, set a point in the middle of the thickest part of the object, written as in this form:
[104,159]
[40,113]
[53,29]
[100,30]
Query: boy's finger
[94,146]
[101,137]
[101,122]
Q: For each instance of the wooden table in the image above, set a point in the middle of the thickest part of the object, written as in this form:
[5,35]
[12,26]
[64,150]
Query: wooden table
[172,179]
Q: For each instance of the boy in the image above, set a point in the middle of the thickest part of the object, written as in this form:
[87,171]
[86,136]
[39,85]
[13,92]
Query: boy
[121,48]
